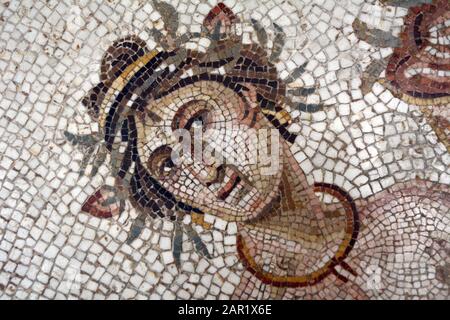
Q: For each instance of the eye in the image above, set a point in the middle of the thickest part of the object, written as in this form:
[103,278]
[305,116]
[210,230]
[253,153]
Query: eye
[160,162]
[193,114]
[198,120]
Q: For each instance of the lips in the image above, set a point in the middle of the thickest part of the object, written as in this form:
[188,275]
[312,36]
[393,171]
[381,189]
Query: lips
[232,183]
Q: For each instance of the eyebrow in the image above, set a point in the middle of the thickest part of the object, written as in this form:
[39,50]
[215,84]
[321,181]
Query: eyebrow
[181,112]
[153,116]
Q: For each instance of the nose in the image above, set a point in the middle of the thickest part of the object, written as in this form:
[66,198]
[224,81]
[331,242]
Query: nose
[208,175]
[219,176]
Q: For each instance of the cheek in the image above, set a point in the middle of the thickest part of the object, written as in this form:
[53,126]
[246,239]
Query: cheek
[149,138]
[185,186]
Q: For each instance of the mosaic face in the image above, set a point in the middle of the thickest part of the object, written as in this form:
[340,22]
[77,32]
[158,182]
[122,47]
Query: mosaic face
[227,107]
[255,150]
[237,191]
[221,100]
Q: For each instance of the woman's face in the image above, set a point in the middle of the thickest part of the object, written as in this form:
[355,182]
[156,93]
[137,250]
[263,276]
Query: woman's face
[222,126]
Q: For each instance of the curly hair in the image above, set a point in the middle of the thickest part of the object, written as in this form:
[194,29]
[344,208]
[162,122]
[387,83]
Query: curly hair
[132,75]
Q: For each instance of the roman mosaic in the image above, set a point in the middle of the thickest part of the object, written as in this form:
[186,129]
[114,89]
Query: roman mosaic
[226,150]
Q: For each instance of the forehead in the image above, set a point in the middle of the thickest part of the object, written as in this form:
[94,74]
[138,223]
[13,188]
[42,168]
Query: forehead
[211,95]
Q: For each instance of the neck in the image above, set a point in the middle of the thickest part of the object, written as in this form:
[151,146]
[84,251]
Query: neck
[297,212]
[293,242]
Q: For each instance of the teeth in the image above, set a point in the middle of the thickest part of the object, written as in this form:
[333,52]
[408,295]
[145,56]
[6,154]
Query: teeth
[431,50]
[232,197]
[436,27]
[445,40]
[434,52]
[437,36]
[426,71]
[443,55]
[440,26]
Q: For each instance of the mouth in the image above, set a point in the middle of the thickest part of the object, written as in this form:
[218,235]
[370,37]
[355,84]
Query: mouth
[231,185]
[427,72]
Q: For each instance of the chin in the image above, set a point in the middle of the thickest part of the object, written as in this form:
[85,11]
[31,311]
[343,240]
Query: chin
[259,205]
